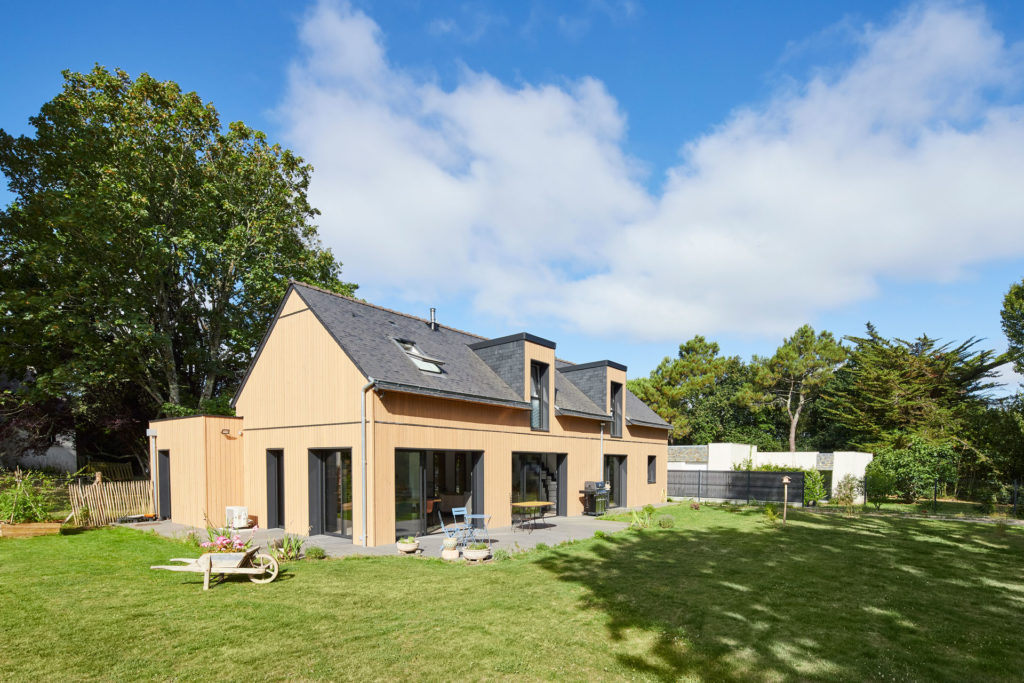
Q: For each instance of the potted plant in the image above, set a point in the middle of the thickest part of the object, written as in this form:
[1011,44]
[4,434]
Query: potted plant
[408,545]
[450,549]
[476,552]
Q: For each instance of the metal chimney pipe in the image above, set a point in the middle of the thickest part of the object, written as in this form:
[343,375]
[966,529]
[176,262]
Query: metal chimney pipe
[433,318]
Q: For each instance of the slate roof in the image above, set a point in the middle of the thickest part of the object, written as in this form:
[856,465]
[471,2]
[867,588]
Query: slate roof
[366,333]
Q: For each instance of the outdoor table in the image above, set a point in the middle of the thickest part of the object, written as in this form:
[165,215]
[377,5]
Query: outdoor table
[473,529]
[537,507]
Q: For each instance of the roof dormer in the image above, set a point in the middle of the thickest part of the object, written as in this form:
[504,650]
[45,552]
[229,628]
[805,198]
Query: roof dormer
[604,383]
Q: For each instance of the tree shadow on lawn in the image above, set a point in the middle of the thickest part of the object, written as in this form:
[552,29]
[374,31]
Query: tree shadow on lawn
[822,598]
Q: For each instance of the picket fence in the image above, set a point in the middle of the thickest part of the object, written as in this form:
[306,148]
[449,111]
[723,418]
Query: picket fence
[105,502]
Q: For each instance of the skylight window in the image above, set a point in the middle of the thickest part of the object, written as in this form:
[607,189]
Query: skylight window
[418,358]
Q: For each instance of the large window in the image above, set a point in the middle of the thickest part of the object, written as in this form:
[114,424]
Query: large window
[539,396]
[652,469]
[616,409]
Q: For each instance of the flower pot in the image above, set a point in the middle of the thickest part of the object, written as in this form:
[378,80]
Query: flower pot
[408,548]
[450,554]
[476,555]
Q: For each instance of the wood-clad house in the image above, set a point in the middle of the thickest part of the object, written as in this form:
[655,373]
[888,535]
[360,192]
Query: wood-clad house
[364,422]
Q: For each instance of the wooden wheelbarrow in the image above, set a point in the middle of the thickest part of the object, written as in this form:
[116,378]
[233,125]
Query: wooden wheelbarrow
[259,567]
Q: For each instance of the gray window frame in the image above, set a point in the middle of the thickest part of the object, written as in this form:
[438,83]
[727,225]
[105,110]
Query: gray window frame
[539,384]
[652,469]
[616,401]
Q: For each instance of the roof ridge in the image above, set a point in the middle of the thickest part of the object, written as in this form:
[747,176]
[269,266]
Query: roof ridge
[382,308]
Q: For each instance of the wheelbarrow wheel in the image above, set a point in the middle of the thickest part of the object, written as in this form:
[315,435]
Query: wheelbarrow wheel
[269,566]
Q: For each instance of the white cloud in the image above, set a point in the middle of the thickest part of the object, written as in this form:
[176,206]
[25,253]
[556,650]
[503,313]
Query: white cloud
[903,164]
[1010,381]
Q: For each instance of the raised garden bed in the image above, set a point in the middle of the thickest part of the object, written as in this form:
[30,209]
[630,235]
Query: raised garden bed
[29,529]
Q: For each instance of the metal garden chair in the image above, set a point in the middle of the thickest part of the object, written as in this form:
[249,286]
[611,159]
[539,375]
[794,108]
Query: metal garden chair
[460,532]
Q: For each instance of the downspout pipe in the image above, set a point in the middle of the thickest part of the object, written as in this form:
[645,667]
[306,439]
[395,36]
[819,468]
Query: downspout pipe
[362,460]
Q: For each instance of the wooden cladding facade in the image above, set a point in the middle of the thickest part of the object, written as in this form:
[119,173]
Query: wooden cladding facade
[304,392]
[206,466]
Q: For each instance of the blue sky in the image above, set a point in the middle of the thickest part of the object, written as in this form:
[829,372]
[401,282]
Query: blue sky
[615,176]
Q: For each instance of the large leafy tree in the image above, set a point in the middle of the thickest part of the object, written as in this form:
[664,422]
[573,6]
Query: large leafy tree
[1013,324]
[147,245]
[793,378]
[698,393]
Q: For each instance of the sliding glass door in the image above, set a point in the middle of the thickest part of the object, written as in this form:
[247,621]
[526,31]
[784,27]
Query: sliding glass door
[410,503]
[429,484]
[330,492]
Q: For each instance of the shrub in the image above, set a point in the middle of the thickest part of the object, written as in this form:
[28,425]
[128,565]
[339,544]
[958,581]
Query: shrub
[599,534]
[502,555]
[477,546]
[541,546]
[407,539]
[642,518]
[846,492]
[314,552]
[879,484]
[666,522]
[915,469]
[814,487]
[771,514]
[287,548]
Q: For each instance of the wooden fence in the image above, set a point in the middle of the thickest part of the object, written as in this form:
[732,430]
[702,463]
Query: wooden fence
[104,502]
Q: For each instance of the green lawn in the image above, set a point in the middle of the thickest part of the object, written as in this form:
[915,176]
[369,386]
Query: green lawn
[721,597]
[944,508]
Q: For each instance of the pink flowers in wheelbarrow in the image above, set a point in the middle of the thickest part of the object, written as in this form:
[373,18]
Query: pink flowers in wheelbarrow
[221,542]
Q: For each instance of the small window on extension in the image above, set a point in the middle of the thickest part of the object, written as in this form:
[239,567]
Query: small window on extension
[419,359]
[652,469]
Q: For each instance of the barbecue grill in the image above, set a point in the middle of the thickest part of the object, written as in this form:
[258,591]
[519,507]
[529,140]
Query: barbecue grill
[595,497]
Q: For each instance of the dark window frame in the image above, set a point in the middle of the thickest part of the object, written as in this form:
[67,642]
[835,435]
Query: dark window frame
[652,469]
[539,393]
[616,401]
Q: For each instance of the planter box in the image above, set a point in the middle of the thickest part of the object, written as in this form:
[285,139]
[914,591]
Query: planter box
[30,529]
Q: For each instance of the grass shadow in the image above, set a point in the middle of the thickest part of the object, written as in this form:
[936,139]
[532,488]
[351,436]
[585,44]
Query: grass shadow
[723,596]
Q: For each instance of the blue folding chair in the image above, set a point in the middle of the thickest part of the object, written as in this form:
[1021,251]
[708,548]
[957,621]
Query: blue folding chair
[460,532]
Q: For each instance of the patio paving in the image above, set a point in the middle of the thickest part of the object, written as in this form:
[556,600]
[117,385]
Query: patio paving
[551,531]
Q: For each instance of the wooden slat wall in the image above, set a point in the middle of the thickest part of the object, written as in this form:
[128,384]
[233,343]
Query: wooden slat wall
[224,467]
[185,439]
[414,422]
[301,388]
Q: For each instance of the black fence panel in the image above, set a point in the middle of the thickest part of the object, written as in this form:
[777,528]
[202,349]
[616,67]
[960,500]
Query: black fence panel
[735,485]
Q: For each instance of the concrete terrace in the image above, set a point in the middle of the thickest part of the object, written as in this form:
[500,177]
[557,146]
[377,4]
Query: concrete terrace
[551,531]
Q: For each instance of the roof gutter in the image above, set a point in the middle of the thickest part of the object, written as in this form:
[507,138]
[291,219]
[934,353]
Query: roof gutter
[651,425]
[362,460]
